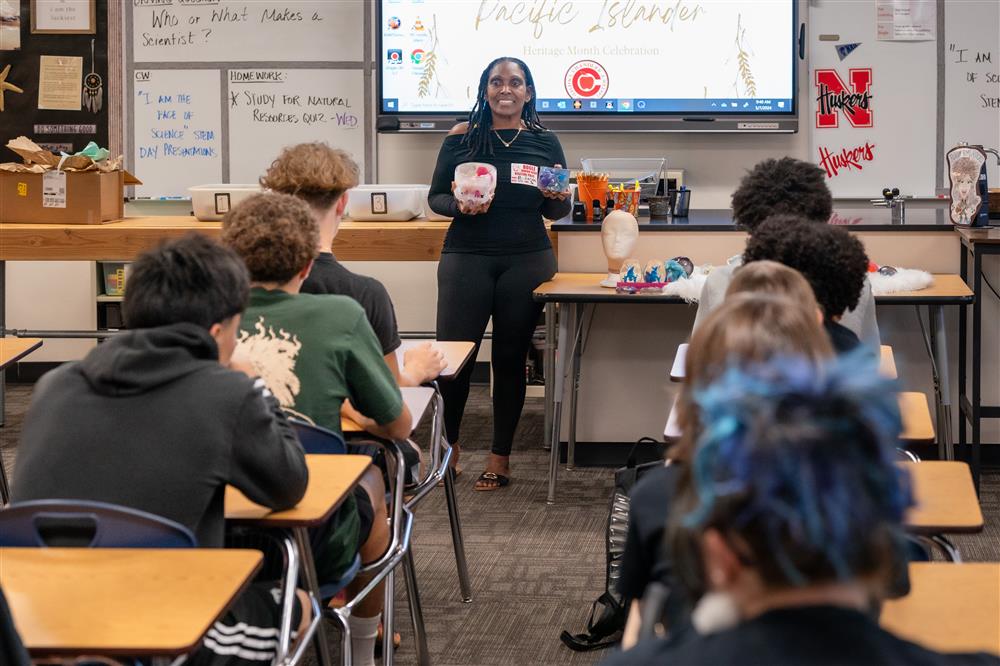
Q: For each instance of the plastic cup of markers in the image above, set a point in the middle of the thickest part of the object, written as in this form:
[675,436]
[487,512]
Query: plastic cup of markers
[475,183]
[552,179]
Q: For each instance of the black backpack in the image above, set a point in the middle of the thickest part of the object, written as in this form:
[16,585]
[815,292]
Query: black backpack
[609,611]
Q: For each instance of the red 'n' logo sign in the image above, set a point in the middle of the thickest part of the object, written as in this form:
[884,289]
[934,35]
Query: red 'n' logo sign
[834,98]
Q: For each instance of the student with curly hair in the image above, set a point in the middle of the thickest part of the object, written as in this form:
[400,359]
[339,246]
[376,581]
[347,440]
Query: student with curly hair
[320,176]
[792,512]
[315,352]
[784,186]
[771,277]
[831,259]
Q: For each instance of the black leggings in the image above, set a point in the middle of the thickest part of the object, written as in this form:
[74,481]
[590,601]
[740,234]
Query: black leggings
[471,289]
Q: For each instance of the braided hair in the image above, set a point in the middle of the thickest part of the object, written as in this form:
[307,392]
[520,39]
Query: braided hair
[477,138]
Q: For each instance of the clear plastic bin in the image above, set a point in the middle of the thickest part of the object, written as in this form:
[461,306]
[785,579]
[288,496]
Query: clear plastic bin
[647,170]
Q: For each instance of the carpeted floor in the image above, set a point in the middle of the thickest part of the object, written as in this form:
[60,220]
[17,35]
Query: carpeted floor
[535,568]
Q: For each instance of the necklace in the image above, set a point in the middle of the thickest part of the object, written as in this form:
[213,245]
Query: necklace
[506,144]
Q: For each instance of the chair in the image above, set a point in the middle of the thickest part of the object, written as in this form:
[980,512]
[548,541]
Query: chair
[439,470]
[85,524]
[318,440]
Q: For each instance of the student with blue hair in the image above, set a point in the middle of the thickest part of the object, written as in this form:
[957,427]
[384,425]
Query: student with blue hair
[786,526]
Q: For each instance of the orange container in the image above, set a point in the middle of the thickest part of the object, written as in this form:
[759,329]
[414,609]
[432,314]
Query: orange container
[591,187]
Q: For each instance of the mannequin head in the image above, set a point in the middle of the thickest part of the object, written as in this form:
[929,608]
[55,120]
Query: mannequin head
[619,233]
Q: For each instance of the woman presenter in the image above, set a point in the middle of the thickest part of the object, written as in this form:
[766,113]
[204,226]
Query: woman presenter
[496,252]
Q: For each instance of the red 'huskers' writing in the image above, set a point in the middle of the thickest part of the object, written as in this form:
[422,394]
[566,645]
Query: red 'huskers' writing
[845,159]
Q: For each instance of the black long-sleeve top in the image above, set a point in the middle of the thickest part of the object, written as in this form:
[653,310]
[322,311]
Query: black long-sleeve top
[513,224]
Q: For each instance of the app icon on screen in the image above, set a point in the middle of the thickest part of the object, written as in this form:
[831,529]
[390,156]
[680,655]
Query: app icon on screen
[394,56]
[641,104]
[610,105]
[593,103]
[394,23]
[545,104]
[561,104]
[418,25]
[417,56]
[781,105]
[577,104]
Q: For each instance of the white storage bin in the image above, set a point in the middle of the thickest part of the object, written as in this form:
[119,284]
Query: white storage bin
[386,203]
[211,202]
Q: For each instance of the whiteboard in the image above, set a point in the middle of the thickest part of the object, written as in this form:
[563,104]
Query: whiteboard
[246,31]
[273,108]
[899,148]
[972,78]
[177,137]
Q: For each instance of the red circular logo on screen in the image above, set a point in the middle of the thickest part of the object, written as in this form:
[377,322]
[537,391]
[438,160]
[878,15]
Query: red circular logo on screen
[587,79]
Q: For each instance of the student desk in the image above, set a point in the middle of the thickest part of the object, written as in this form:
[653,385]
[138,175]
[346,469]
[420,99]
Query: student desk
[416,398]
[572,293]
[12,350]
[950,607]
[887,363]
[945,498]
[456,354]
[331,479]
[978,243]
[70,602]
[913,411]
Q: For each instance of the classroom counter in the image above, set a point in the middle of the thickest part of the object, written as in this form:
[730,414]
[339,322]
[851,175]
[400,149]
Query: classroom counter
[857,218]
[416,240]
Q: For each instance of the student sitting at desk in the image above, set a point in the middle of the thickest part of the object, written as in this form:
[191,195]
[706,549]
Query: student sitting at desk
[746,328]
[784,187]
[320,176]
[160,418]
[831,259]
[787,520]
[771,277]
[315,352]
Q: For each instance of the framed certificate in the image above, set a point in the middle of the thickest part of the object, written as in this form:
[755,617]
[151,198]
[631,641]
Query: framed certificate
[70,17]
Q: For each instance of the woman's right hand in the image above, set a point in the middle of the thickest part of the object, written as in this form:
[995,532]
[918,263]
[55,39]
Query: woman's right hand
[471,209]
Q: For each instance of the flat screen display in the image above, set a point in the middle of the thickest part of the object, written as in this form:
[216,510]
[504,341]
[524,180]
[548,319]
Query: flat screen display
[593,57]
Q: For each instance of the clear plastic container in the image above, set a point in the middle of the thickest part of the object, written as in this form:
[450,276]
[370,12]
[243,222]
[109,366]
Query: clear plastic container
[475,183]
[624,170]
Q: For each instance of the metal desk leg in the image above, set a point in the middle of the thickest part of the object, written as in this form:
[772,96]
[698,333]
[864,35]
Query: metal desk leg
[558,386]
[977,360]
[387,611]
[416,610]
[308,569]
[963,333]
[574,383]
[548,367]
[464,582]
[942,381]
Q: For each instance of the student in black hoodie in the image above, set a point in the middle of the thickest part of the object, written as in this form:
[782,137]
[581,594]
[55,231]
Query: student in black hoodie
[159,418]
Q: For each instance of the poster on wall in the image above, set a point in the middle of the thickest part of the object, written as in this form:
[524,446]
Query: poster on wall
[906,20]
[69,17]
[10,25]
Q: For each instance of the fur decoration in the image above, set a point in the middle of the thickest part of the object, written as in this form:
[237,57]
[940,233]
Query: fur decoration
[905,279]
[689,289]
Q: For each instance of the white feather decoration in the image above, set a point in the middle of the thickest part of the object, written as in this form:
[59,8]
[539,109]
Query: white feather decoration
[905,279]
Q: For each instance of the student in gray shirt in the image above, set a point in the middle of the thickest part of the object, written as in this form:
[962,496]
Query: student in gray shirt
[784,186]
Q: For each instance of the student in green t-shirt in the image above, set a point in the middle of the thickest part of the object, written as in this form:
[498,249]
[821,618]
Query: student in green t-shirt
[316,353]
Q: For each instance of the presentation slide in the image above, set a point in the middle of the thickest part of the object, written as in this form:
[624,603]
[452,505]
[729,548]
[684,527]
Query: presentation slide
[593,56]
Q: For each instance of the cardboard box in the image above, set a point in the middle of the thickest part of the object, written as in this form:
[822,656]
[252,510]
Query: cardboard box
[90,197]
